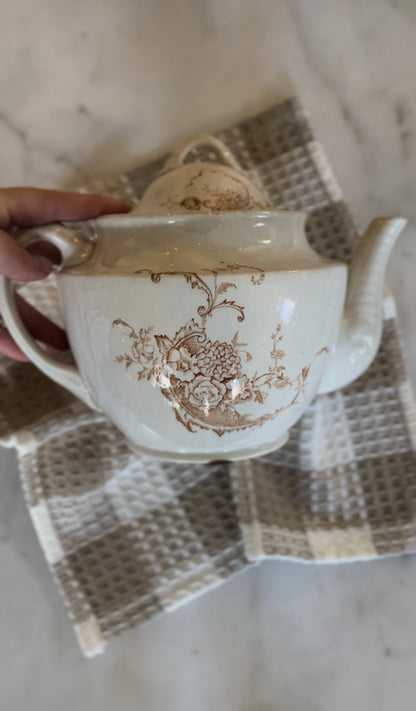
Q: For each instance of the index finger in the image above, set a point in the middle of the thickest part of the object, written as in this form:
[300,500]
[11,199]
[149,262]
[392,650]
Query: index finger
[26,207]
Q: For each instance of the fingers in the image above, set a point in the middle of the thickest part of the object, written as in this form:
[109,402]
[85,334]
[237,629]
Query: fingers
[17,263]
[39,327]
[9,348]
[25,207]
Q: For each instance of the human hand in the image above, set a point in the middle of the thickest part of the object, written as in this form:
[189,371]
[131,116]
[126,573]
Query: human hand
[28,207]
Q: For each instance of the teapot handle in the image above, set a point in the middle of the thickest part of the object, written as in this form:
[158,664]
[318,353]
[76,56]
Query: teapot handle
[74,249]
[179,154]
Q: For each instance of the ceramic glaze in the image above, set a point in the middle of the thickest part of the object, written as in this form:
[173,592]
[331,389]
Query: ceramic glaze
[202,323]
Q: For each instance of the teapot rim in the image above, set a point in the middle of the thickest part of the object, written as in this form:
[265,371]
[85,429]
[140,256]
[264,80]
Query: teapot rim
[115,219]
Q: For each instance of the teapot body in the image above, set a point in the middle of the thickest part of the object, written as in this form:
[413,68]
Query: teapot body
[208,363]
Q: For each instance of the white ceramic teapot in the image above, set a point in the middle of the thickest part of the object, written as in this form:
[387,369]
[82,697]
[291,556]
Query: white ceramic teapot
[202,323]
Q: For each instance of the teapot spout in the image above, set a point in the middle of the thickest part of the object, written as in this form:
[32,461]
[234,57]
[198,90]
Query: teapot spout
[362,323]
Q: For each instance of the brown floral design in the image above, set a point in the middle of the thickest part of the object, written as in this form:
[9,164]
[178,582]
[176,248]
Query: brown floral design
[201,196]
[205,380]
[205,393]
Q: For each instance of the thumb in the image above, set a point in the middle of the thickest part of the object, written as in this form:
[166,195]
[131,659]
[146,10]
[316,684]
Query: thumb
[16,263]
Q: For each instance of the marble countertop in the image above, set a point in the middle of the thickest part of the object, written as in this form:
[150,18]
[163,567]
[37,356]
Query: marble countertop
[89,88]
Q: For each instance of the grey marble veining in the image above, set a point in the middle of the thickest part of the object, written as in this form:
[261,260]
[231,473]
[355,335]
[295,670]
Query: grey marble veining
[87,89]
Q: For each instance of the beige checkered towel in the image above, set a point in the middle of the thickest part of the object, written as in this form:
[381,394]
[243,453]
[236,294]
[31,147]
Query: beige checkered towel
[128,538]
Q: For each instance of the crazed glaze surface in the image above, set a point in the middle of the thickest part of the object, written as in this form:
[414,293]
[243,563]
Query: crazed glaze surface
[196,242]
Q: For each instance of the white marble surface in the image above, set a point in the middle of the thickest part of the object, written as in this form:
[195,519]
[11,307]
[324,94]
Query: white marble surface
[87,88]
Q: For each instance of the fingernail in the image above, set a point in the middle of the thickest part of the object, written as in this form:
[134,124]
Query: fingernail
[122,206]
[43,264]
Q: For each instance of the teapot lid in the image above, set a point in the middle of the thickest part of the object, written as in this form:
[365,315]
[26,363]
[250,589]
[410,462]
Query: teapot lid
[202,186]
[200,216]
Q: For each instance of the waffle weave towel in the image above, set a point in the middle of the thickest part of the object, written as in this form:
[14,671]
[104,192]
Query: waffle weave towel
[127,538]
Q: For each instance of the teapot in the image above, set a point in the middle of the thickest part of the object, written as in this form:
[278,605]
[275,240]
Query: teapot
[202,323]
